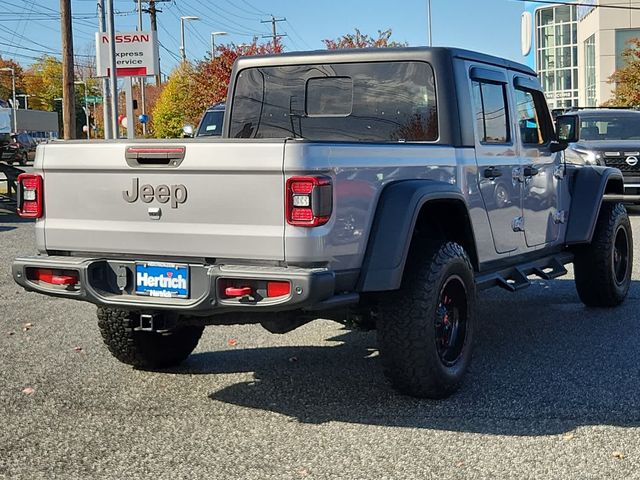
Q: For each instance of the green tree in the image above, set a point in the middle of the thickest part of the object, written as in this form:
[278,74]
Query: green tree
[627,79]
[362,40]
[171,111]
[43,80]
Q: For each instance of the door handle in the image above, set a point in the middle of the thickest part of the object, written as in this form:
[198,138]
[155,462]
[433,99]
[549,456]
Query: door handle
[530,171]
[492,172]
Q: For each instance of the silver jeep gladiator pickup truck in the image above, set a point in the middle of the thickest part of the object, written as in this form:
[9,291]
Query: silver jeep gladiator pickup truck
[379,188]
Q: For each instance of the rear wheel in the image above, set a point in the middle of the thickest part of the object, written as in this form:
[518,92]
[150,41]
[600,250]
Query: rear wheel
[425,330]
[603,268]
[143,349]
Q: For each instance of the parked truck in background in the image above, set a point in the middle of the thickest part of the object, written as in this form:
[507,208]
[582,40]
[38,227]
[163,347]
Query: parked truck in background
[382,188]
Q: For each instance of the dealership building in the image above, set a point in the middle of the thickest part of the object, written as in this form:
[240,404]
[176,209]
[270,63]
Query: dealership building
[575,49]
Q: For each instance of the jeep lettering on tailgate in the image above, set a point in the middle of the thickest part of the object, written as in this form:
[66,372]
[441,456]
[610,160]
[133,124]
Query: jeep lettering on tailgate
[175,194]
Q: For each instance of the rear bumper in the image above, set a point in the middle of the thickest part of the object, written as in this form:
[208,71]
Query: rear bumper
[108,282]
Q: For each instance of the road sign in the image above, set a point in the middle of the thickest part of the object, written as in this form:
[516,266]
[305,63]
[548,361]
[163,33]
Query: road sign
[136,54]
[94,99]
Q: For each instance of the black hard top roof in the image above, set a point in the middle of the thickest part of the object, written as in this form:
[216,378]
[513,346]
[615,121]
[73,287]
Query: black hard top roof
[379,55]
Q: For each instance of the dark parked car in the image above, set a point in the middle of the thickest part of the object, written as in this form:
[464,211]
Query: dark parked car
[605,137]
[210,124]
[18,148]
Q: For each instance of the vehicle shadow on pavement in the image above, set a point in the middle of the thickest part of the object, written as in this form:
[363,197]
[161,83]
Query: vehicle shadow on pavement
[544,364]
[9,216]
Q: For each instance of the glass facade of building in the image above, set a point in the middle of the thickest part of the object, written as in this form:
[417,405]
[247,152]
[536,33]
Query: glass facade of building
[557,54]
[590,71]
[623,37]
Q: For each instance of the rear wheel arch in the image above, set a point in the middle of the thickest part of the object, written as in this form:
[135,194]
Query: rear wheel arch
[408,212]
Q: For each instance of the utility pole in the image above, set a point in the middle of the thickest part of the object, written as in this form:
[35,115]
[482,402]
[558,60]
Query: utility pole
[106,103]
[113,74]
[68,90]
[153,11]
[142,80]
[274,30]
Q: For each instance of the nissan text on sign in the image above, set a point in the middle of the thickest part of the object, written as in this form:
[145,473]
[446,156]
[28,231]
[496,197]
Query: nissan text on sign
[136,54]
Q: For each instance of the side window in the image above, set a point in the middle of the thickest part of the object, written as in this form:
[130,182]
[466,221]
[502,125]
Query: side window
[490,110]
[533,121]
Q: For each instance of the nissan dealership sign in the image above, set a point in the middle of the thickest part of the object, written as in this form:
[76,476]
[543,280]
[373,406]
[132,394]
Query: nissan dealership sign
[136,54]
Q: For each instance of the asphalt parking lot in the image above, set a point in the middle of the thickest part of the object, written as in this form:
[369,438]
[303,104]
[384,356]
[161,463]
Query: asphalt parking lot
[553,392]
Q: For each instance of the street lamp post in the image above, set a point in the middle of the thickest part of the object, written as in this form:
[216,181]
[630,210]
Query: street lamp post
[430,24]
[26,99]
[183,53]
[213,42]
[86,106]
[13,88]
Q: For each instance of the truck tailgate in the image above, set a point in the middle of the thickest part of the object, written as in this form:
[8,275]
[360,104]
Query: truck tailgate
[225,199]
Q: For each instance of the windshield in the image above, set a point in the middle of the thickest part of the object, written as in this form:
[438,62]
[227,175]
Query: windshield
[610,127]
[362,102]
[211,124]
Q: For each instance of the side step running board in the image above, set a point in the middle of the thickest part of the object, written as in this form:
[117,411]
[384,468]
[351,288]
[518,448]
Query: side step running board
[516,278]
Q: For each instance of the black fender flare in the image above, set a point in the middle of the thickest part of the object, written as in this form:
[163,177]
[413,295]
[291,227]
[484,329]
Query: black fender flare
[589,184]
[396,214]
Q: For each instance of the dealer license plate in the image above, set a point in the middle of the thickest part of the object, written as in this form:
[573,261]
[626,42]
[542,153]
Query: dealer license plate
[166,280]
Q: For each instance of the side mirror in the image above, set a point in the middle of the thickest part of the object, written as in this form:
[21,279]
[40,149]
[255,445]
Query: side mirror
[187,131]
[567,128]
[558,146]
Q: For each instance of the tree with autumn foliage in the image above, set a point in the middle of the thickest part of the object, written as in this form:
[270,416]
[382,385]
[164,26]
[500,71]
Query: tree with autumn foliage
[627,78]
[362,40]
[212,75]
[6,88]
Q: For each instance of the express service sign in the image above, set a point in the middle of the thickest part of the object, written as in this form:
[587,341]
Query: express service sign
[136,54]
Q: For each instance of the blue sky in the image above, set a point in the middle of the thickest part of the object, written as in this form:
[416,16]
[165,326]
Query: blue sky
[491,26]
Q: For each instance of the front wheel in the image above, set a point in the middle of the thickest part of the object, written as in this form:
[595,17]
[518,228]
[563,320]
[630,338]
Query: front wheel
[143,349]
[603,267]
[425,329]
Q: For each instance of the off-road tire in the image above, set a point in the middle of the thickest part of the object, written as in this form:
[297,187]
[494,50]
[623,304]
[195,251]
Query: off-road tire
[599,281]
[407,326]
[142,349]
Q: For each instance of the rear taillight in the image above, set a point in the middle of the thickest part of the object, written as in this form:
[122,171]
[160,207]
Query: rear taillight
[278,289]
[30,198]
[309,201]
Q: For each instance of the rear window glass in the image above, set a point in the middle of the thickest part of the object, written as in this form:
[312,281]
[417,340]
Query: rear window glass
[362,102]
[211,124]
[490,104]
[329,96]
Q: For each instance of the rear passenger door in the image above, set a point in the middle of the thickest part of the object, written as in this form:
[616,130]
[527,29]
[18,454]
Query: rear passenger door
[497,157]
[540,166]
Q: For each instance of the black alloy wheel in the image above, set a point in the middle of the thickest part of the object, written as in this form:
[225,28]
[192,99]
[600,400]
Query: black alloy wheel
[621,255]
[451,321]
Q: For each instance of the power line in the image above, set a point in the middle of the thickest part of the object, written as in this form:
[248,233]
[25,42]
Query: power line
[262,12]
[226,23]
[295,32]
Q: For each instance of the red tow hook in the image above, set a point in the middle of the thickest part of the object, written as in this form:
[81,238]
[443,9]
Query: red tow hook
[54,277]
[238,291]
